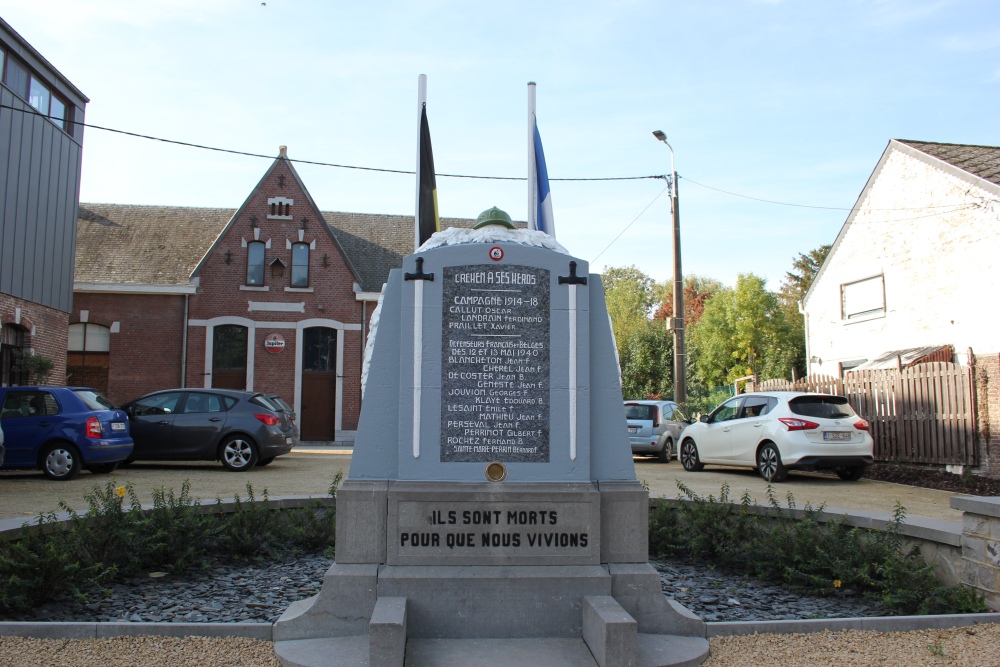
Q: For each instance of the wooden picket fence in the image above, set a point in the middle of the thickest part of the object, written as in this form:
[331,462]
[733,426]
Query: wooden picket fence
[922,414]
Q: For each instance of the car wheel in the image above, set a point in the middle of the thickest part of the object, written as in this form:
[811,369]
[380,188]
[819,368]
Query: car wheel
[239,453]
[769,464]
[667,452]
[61,461]
[103,468]
[689,456]
[264,462]
[851,474]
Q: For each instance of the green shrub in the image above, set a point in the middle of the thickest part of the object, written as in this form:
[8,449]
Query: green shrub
[811,556]
[116,538]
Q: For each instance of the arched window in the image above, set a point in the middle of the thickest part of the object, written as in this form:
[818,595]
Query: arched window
[88,357]
[300,265]
[12,339]
[255,263]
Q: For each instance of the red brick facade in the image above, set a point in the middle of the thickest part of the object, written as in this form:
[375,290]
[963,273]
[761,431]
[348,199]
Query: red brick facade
[45,331]
[147,350]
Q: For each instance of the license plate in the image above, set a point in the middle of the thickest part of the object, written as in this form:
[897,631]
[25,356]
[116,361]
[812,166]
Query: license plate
[836,435]
[117,426]
[288,441]
[633,429]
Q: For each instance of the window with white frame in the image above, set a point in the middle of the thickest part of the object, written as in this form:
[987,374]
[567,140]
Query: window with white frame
[863,298]
[300,265]
[255,263]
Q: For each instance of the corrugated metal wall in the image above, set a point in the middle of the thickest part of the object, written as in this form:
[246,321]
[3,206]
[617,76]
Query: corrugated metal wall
[39,194]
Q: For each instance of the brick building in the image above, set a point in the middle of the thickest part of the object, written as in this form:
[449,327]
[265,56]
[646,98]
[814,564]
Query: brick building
[40,159]
[273,296]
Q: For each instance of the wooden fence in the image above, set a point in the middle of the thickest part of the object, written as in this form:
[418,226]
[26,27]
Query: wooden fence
[922,414]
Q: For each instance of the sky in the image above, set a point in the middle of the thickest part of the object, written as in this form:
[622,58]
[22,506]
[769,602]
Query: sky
[790,101]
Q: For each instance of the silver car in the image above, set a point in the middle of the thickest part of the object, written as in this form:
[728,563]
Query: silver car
[654,428]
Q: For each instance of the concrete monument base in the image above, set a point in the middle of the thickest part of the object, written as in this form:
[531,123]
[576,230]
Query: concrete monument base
[525,575]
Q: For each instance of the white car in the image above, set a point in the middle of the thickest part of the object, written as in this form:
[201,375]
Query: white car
[775,432]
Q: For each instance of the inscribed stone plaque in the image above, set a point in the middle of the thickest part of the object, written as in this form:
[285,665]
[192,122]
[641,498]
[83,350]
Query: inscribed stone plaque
[495,364]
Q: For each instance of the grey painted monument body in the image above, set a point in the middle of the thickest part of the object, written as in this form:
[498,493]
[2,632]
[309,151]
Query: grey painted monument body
[492,493]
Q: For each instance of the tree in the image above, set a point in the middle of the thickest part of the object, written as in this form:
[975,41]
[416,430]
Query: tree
[645,348]
[743,331]
[793,289]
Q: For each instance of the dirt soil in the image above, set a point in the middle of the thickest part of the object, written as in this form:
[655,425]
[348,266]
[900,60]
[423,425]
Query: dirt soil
[930,478]
[974,646]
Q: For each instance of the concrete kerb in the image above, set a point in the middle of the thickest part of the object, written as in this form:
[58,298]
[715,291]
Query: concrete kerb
[945,532]
[263,631]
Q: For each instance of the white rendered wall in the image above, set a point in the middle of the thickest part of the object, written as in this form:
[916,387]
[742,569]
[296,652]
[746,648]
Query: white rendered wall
[941,265]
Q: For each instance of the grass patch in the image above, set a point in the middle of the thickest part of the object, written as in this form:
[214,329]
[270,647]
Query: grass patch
[811,556]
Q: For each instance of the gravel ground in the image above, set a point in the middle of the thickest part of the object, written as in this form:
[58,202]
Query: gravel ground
[977,646]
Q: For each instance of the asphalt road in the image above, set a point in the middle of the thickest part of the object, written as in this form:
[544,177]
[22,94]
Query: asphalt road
[309,471]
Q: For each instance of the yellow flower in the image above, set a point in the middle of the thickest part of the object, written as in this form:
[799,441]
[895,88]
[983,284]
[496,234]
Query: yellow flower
[120,491]
[836,583]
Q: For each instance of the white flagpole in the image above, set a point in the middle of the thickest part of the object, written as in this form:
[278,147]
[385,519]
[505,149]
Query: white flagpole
[421,101]
[418,285]
[532,177]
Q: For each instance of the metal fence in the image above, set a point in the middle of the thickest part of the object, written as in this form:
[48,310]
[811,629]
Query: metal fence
[922,414]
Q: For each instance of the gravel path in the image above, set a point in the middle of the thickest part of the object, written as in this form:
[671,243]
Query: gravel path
[977,646]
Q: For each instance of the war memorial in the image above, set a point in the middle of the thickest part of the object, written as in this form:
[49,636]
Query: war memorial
[491,515]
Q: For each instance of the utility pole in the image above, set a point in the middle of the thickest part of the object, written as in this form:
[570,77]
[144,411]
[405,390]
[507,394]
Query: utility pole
[677,320]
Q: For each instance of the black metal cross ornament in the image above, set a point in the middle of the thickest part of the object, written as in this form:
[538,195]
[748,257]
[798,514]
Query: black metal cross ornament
[281,180]
[572,278]
[419,275]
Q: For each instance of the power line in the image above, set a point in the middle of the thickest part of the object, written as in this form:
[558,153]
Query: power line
[630,224]
[384,170]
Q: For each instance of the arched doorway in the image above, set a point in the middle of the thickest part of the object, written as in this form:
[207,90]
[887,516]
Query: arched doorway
[12,341]
[319,384]
[88,356]
[229,357]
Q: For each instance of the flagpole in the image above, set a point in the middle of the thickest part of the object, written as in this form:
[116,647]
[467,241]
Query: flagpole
[421,101]
[418,285]
[532,178]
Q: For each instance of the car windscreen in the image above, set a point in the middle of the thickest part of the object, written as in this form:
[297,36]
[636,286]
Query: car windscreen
[824,407]
[280,402]
[640,412]
[94,400]
[265,402]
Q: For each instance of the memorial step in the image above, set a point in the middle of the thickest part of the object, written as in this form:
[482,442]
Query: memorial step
[653,651]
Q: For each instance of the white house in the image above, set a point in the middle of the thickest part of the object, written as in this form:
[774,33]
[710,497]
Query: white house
[916,266]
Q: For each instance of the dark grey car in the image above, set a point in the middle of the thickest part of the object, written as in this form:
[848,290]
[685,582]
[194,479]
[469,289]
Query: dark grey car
[240,429]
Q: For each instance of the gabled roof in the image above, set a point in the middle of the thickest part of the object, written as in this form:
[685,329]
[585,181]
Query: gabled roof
[283,162]
[162,245]
[977,165]
[981,161]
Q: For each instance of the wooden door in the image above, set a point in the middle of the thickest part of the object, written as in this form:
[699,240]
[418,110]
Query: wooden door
[319,384]
[229,357]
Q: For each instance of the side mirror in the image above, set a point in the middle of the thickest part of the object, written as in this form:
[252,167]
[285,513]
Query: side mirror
[703,419]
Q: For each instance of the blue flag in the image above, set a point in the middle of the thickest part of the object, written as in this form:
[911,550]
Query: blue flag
[544,221]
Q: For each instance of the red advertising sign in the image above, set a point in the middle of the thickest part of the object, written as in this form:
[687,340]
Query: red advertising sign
[274,343]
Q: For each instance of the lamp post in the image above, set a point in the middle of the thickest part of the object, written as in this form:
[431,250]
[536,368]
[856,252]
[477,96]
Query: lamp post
[677,321]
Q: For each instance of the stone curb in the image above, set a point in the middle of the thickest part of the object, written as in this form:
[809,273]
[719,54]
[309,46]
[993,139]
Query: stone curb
[869,623]
[57,630]
[263,631]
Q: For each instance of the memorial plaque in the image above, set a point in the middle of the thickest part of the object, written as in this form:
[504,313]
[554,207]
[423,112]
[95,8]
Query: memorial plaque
[495,364]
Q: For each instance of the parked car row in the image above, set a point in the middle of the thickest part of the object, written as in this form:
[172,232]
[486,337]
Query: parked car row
[771,432]
[63,430]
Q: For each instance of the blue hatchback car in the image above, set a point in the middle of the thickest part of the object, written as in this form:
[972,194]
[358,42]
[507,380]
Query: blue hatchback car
[62,430]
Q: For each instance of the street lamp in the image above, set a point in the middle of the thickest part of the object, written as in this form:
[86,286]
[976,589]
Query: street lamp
[677,321]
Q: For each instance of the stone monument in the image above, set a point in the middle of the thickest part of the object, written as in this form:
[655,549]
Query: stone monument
[491,514]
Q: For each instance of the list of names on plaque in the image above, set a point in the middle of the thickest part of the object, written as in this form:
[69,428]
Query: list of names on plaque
[495,364]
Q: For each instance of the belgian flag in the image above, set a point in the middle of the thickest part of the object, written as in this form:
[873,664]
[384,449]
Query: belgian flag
[427,206]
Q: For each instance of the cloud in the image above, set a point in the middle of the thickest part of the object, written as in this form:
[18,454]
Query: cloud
[969,43]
